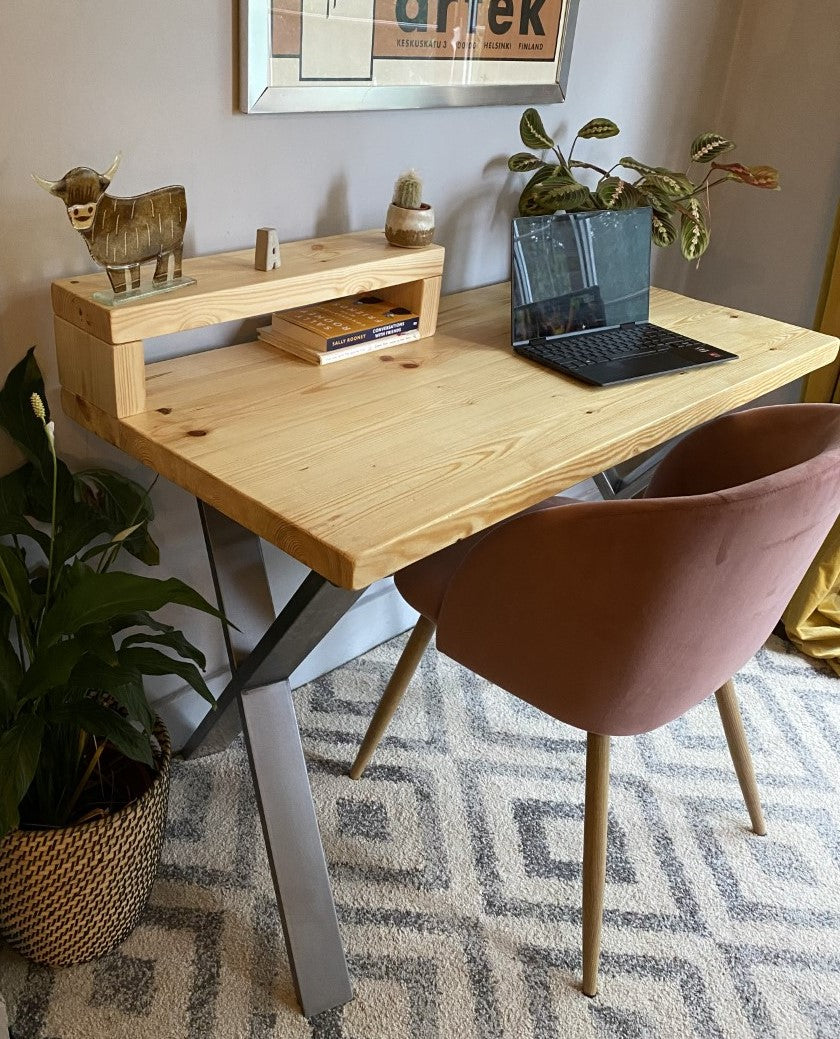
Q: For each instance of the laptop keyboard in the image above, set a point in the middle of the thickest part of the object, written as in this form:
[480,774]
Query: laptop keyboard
[576,352]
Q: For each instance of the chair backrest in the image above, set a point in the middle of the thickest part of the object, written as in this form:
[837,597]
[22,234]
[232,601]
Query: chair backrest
[618,616]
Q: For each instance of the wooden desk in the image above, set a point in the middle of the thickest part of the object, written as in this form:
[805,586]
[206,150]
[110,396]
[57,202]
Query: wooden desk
[361,467]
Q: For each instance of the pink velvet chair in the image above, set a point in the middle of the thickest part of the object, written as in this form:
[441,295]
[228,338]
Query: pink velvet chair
[617,617]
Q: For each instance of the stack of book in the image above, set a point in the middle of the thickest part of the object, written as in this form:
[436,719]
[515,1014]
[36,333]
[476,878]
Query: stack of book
[346,327]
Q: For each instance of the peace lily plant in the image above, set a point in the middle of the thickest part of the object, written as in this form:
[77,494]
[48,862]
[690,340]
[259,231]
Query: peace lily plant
[76,636]
[680,201]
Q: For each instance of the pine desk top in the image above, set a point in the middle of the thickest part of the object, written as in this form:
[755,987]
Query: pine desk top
[361,467]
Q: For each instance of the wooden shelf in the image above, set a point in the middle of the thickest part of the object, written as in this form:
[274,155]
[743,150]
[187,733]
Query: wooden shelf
[100,349]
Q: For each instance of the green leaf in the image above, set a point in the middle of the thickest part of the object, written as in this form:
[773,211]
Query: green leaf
[615,193]
[21,527]
[553,195]
[14,582]
[540,176]
[655,197]
[123,503]
[523,162]
[17,417]
[131,696]
[708,146]
[27,431]
[532,131]
[663,231]
[632,198]
[694,234]
[671,184]
[98,641]
[137,620]
[98,720]
[10,675]
[153,662]
[629,163]
[532,204]
[97,598]
[51,668]
[122,683]
[113,546]
[77,529]
[171,640]
[13,494]
[20,748]
[6,617]
[543,173]
[600,128]
[39,493]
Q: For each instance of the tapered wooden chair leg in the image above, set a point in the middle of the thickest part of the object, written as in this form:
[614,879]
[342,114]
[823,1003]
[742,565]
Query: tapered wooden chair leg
[733,726]
[403,672]
[594,854]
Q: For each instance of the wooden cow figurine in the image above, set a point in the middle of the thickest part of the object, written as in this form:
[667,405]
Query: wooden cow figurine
[122,233]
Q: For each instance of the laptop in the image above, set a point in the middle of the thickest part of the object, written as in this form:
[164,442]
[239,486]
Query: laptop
[580,299]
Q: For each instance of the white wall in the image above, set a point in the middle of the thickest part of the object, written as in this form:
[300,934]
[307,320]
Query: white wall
[156,81]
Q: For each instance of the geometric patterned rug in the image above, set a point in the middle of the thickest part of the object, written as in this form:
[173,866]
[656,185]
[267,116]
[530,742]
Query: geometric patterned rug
[455,864]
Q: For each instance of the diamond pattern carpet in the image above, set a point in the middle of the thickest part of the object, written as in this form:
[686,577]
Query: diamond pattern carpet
[456,871]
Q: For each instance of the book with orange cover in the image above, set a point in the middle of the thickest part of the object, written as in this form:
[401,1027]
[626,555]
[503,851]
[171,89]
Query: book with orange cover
[268,335]
[338,323]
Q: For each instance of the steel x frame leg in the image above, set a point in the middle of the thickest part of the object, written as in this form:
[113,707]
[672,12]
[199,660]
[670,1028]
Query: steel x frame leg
[258,700]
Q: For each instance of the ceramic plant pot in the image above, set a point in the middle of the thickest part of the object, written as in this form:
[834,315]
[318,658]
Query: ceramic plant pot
[410,228]
[73,893]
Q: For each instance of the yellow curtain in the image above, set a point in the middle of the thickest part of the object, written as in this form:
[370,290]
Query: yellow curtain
[824,384]
[812,620]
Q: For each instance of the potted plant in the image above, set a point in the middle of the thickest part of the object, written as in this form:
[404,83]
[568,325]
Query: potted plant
[84,764]
[410,222]
[676,199]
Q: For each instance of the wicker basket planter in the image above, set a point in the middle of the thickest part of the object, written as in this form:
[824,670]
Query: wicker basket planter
[71,894]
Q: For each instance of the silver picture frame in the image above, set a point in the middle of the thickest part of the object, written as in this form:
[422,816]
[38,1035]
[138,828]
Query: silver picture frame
[306,81]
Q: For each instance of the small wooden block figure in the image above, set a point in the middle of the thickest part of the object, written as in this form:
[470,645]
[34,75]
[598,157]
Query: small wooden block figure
[267,255]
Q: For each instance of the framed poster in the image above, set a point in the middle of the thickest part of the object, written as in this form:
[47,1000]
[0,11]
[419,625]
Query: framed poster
[348,55]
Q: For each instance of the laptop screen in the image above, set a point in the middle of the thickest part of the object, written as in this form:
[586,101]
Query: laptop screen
[576,271]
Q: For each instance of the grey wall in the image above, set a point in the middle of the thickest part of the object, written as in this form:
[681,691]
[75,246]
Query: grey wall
[156,81]
[780,101]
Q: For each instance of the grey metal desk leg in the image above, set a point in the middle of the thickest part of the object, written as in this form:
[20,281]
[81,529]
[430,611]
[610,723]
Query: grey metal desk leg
[630,479]
[259,692]
[272,646]
[301,881]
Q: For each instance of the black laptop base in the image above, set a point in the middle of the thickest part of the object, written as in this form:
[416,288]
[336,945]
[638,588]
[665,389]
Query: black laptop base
[610,356]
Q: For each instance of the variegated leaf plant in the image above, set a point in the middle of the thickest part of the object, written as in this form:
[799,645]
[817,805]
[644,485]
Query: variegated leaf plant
[679,201]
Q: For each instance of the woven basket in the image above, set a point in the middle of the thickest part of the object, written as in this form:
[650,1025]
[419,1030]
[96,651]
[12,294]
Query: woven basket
[71,894]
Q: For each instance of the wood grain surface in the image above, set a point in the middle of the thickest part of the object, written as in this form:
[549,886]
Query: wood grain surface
[112,377]
[229,288]
[361,467]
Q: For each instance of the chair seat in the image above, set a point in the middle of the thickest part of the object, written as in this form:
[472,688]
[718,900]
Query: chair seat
[423,584]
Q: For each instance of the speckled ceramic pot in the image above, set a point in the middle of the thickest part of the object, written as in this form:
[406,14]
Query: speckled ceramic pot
[410,228]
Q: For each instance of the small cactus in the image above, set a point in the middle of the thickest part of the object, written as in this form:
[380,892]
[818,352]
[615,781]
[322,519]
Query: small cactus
[408,190]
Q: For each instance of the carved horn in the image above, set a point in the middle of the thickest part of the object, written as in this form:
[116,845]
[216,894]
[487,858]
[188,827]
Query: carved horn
[47,185]
[112,169]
